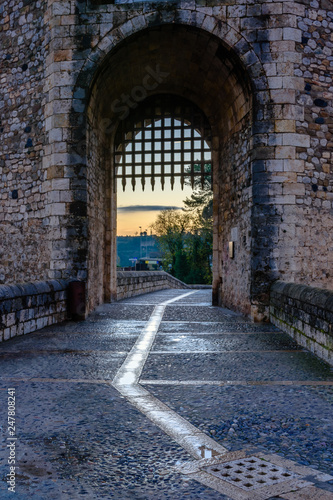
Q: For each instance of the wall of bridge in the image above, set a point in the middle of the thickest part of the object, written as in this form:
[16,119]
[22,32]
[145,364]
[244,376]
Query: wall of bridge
[26,308]
[132,283]
[306,314]
[29,307]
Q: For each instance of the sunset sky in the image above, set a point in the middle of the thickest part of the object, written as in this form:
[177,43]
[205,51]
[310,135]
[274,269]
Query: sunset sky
[140,208]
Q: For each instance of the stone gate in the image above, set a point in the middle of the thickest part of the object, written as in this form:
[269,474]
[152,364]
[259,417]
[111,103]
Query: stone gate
[260,72]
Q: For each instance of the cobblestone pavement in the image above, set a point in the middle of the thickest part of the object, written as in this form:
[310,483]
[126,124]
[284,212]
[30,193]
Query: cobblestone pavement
[230,386]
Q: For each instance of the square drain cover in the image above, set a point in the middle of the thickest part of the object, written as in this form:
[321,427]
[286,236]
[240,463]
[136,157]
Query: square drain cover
[251,473]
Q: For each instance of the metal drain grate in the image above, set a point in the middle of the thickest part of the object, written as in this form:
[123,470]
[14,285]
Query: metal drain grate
[250,473]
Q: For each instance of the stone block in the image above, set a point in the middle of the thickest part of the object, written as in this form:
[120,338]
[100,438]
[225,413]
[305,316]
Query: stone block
[300,140]
[286,152]
[293,166]
[292,34]
[297,189]
[10,319]
[6,334]
[285,96]
[283,126]
[60,184]
[61,8]
[272,8]
[294,8]
[237,11]
[272,35]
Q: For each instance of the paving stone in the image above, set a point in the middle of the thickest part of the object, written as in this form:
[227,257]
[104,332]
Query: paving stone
[223,342]
[79,441]
[200,313]
[78,437]
[293,421]
[259,366]
[61,364]
[202,327]
[310,493]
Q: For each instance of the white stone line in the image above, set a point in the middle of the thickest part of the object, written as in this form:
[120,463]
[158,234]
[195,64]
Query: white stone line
[130,371]
[126,381]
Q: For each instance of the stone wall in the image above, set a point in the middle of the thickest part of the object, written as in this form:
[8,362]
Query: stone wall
[312,241]
[24,220]
[30,307]
[131,283]
[25,308]
[305,313]
[98,221]
[305,233]
[235,212]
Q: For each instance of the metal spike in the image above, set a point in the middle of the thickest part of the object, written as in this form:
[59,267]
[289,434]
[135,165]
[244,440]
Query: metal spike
[192,175]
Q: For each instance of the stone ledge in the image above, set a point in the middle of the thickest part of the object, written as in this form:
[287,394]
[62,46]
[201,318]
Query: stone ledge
[305,313]
[132,283]
[27,307]
[305,294]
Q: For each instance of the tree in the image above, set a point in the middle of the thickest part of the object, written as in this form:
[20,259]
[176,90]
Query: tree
[201,200]
[200,206]
[171,226]
[182,266]
[186,237]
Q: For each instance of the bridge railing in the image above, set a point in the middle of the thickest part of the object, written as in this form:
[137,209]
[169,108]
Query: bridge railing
[25,308]
[28,307]
[131,283]
[306,314]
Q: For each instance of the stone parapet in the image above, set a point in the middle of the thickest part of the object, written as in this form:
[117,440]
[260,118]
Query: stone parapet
[28,307]
[305,313]
[131,283]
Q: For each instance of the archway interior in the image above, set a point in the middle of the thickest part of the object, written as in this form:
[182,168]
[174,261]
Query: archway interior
[166,137]
[165,141]
[195,65]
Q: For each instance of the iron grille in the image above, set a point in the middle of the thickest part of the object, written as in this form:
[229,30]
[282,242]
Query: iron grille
[165,137]
[251,473]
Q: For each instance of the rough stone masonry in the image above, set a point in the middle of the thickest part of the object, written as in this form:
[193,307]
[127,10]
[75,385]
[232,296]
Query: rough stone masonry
[260,71]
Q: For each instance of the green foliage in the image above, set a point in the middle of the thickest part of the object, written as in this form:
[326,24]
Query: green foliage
[186,237]
[171,227]
[200,208]
[182,266]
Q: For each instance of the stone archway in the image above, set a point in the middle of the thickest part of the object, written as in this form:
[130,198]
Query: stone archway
[244,65]
[192,63]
